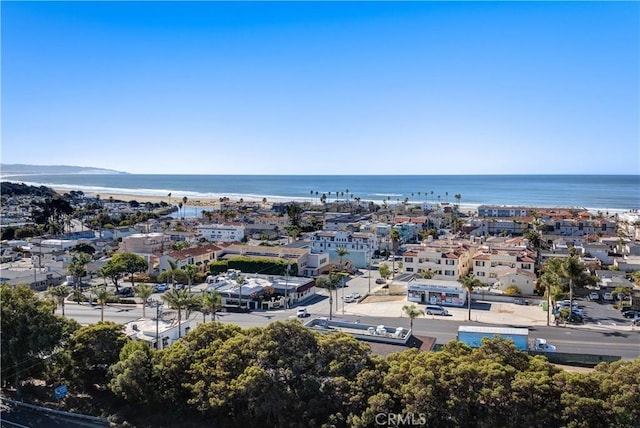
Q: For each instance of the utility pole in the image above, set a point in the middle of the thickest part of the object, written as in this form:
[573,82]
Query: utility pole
[286,287]
[369,271]
[158,313]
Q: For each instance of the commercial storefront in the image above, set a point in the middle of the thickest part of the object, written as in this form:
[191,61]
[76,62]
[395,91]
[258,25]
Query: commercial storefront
[437,292]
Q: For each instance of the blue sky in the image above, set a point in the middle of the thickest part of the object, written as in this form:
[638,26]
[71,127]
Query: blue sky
[323,88]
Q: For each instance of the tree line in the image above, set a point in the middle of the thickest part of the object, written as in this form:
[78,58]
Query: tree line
[287,375]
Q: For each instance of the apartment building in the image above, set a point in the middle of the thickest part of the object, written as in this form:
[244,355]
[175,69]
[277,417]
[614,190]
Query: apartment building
[445,263]
[221,232]
[502,211]
[489,265]
[360,246]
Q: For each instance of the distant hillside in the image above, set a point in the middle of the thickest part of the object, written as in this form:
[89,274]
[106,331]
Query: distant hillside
[53,169]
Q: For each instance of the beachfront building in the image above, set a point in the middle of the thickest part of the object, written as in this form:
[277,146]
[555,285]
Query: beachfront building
[360,246]
[446,261]
[436,292]
[496,226]
[221,232]
[497,211]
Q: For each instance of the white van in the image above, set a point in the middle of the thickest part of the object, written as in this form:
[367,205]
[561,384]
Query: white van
[435,310]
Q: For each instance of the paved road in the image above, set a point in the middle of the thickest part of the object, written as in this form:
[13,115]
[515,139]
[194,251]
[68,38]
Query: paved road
[606,331]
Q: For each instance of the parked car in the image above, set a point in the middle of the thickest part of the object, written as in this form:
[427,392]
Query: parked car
[594,296]
[625,308]
[631,314]
[379,281]
[302,312]
[160,288]
[435,310]
[635,322]
[179,286]
[348,299]
[520,301]
[607,296]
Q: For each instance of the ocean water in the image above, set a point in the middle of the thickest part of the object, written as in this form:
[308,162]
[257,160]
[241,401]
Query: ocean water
[593,192]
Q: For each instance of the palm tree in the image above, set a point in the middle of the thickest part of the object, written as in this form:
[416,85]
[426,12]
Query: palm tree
[548,280]
[470,282]
[59,293]
[143,291]
[212,301]
[178,299]
[102,297]
[179,208]
[572,269]
[240,282]
[394,235]
[334,279]
[184,203]
[412,312]
[173,268]
[190,271]
[341,252]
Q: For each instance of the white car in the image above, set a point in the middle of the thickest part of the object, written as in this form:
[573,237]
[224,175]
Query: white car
[607,296]
[594,296]
[302,312]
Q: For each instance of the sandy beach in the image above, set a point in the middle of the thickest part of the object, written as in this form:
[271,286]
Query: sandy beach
[173,200]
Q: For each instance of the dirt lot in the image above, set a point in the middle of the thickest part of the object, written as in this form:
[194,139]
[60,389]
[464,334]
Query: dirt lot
[383,298]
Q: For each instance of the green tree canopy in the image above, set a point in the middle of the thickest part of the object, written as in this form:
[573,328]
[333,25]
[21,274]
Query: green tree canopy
[30,333]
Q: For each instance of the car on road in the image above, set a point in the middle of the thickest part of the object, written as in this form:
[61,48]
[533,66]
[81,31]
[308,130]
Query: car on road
[594,296]
[379,281]
[179,286]
[302,312]
[125,292]
[631,314]
[160,288]
[635,322]
[436,310]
